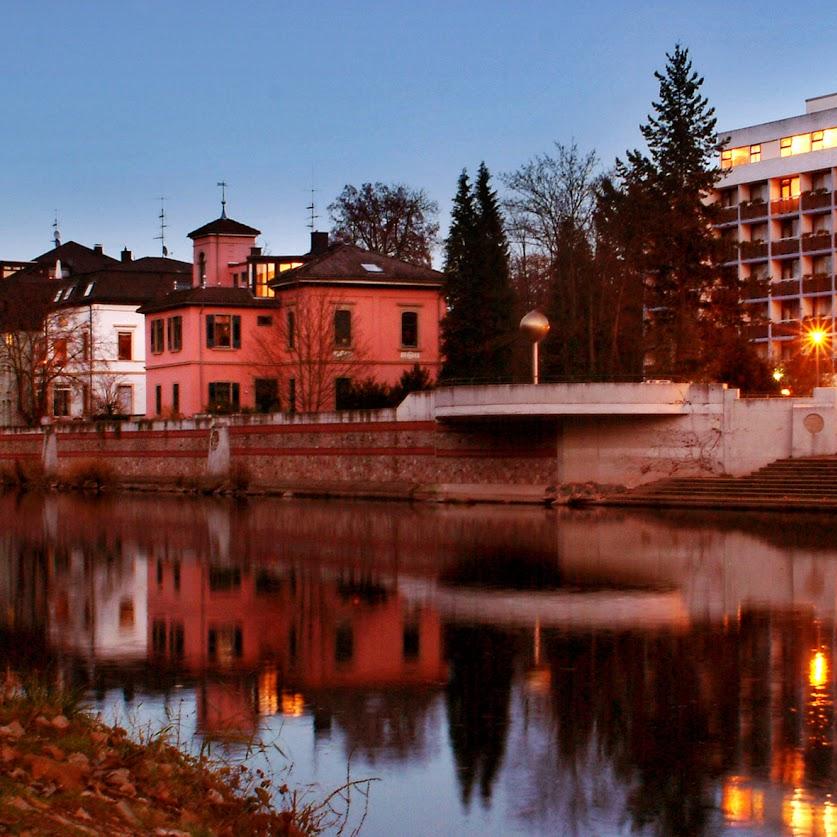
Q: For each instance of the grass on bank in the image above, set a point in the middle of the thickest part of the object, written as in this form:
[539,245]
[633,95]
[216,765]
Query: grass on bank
[64,772]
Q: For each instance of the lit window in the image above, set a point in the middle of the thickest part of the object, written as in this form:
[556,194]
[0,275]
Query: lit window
[124,344]
[816,141]
[342,328]
[789,188]
[755,153]
[409,329]
[726,159]
[265,273]
[785,146]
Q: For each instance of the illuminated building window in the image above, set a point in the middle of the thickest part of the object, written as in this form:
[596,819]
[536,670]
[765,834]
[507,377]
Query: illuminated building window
[755,153]
[726,159]
[789,188]
[817,140]
[785,146]
[265,273]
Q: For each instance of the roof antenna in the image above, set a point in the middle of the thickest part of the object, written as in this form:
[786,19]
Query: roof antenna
[223,184]
[312,207]
[56,233]
[162,237]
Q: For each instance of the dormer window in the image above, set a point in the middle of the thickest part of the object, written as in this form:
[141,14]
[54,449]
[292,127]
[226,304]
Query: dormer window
[58,295]
[372,268]
[89,289]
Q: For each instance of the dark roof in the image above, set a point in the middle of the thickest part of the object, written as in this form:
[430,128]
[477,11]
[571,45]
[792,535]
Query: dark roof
[23,305]
[76,257]
[228,297]
[117,287]
[344,263]
[224,226]
[157,263]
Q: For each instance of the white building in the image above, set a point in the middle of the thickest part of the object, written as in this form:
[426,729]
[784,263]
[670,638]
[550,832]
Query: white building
[777,196]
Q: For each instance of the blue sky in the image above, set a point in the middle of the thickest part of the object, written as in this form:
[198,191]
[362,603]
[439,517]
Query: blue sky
[107,106]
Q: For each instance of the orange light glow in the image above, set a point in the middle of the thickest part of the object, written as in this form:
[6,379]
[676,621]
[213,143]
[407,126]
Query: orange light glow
[785,392]
[268,694]
[293,704]
[798,814]
[741,804]
[818,670]
[817,336]
[778,374]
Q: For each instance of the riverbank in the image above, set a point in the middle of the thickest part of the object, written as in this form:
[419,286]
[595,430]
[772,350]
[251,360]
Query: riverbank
[63,772]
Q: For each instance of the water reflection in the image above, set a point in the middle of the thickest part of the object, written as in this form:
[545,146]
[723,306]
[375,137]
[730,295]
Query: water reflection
[587,673]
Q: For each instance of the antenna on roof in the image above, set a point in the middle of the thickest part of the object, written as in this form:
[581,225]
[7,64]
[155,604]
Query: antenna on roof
[312,207]
[56,233]
[162,237]
[223,184]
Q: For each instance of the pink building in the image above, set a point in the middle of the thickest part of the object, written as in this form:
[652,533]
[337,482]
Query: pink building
[271,333]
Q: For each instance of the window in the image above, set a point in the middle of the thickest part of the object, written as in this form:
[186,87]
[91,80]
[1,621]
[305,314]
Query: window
[263,320]
[267,394]
[821,265]
[344,644]
[174,327]
[61,401]
[291,320]
[789,310]
[175,397]
[202,270]
[223,395]
[726,159]
[411,644]
[342,390]
[755,153]
[785,146]
[125,399]
[225,643]
[158,399]
[223,331]
[292,395]
[787,229]
[124,345]
[342,328]
[85,346]
[60,351]
[156,336]
[816,140]
[821,306]
[89,289]
[265,273]
[789,188]
[369,267]
[58,295]
[790,269]
[729,197]
[409,329]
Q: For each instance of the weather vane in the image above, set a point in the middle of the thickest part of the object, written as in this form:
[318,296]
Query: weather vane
[223,184]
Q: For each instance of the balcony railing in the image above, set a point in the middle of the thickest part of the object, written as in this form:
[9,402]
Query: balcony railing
[756,288]
[817,283]
[785,287]
[786,328]
[784,206]
[753,250]
[756,331]
[753,209]
[817,241]
[815,200]
[727,215]
[785,247]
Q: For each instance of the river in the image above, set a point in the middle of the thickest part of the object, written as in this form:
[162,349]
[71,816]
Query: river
[496,670]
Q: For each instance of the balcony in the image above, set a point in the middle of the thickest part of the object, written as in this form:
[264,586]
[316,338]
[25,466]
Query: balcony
[727,215]
[756,288]
[816,284]
[753,250]
[756,331]
[816,241]
[785,247]
[751,210]
[784,206]
[786,328]
[786,287]
[816,200]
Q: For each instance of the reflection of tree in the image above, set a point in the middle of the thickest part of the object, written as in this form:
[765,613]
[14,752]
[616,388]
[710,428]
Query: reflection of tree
[481,668]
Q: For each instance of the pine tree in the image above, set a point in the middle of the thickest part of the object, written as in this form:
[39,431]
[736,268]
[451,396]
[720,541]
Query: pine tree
[681,254]
[478,329]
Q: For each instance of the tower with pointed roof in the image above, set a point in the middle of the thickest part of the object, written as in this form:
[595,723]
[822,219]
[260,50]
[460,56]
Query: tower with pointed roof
[218,245]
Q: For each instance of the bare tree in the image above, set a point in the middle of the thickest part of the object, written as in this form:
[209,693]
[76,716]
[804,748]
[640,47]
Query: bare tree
[42,350]
[314,343]
[393,220]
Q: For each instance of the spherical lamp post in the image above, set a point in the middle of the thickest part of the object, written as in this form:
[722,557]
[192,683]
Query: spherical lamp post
[535,326]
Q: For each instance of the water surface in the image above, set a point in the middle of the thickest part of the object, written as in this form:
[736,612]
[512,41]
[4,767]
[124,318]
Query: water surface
[499,670]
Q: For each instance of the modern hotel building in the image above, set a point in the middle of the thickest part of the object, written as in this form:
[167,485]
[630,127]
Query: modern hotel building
[777,200]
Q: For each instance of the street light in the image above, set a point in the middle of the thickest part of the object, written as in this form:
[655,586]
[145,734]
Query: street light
[535,326]
[817,338]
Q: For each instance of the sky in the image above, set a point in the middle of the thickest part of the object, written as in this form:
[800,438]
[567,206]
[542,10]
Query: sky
[107,106]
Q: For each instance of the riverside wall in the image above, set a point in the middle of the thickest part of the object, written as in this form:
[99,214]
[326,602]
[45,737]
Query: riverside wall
[503,444]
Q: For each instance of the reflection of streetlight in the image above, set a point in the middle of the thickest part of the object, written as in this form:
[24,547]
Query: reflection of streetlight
[778,374]
[535,326]
[818,670]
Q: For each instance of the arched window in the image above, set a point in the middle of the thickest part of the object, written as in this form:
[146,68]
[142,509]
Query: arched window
[202,269]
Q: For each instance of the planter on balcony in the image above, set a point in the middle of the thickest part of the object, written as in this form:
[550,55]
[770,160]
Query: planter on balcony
[785,247]
[818,283]
[757,209]
[756,288]
[756,332]
[816,200]
[727,215]
[819,241]
[784,206]
[786,287]
[753,250]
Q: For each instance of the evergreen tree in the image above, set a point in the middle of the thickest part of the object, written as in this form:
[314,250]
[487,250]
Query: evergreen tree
[681,253]
[478,329]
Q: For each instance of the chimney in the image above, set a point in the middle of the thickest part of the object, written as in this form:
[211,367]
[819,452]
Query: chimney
[126,255]
[97,248]
[319,243]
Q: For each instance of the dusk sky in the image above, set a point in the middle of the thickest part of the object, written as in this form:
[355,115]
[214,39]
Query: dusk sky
[108,106]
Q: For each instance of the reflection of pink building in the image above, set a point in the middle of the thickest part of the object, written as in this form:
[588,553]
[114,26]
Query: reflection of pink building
[251,328]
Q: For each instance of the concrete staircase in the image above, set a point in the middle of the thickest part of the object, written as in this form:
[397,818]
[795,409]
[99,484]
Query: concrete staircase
[808,484]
